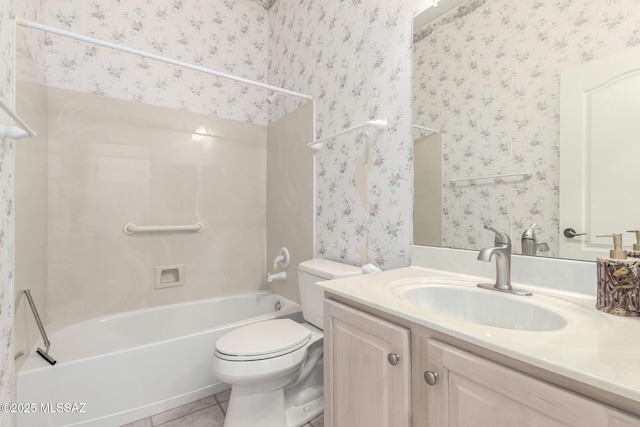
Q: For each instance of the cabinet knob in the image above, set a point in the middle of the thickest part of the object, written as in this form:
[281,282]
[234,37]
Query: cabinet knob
[431,377]
[393,359]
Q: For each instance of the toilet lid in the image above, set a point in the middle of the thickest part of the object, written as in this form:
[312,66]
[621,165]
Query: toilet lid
[263,340]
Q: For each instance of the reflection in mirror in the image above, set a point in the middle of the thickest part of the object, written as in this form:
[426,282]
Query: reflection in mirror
[427,188]
[600,112]
[487,75]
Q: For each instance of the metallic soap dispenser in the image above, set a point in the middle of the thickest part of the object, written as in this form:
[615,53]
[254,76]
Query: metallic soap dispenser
[618,281]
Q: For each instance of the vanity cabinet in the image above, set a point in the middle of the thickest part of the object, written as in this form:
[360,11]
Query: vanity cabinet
[473,391]
[464,385]
[367,369]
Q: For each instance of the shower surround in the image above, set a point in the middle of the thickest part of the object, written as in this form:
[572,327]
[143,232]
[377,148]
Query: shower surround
[113,162]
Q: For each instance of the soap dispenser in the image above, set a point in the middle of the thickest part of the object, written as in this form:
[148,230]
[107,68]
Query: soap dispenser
[618,281]
[635,252]
[617,253]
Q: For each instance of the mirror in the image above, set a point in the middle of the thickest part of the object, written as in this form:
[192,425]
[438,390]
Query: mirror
[486,108]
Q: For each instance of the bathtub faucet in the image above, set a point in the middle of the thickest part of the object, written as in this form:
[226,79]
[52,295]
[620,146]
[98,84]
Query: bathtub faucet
[278,276]
[282,259]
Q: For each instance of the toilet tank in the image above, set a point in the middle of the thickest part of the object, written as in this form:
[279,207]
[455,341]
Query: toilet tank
[311,295]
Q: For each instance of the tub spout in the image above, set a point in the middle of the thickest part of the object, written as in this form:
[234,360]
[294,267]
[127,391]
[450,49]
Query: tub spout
[278,276]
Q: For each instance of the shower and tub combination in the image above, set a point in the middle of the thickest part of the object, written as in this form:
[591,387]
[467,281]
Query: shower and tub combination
[127,366]
[121,367]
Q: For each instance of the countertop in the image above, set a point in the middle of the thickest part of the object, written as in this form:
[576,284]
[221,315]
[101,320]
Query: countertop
[595,348]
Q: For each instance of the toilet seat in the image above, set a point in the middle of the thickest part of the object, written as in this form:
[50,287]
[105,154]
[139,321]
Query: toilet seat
[262,340]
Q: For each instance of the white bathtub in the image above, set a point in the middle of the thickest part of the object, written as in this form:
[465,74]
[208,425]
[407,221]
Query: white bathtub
[128,366]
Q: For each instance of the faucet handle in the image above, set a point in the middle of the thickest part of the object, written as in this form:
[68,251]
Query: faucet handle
[502,238]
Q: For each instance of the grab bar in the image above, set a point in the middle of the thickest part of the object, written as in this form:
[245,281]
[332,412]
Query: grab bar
[524,175]
[132,228]
[44,353]
[424,128]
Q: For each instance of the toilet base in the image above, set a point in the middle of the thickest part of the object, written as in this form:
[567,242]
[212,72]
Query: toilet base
[300,415]
[269,410]
[292,406]
[247,408]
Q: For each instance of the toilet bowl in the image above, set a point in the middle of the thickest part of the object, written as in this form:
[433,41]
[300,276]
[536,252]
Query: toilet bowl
[267,382]
[275,367]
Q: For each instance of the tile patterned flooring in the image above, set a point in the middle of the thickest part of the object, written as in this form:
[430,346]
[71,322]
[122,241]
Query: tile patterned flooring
[207,412]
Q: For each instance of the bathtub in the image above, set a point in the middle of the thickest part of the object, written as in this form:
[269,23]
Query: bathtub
[120,368]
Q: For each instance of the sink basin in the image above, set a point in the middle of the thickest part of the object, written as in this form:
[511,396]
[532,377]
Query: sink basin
[484,307]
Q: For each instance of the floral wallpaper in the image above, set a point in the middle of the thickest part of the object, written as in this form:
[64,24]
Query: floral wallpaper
[6,212]
[30,45]
[487,75]
[355,58]
[227,36]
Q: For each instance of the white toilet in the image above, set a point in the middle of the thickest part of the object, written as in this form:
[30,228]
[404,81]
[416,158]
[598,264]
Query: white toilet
[275,367]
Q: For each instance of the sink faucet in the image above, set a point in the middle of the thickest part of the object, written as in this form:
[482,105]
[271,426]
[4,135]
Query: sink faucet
[502,253]
[530,245]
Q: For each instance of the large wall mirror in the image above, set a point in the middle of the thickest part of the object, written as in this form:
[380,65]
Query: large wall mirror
[517,105]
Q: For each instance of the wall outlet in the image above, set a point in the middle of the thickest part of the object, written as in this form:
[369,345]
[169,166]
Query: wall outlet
[169,276]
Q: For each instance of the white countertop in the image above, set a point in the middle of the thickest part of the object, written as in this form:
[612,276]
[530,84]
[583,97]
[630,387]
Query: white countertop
[595,348]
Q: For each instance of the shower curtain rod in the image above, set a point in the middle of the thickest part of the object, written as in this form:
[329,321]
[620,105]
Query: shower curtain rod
[30,24]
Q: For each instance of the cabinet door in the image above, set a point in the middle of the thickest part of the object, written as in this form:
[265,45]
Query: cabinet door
[364,386]
[472,391]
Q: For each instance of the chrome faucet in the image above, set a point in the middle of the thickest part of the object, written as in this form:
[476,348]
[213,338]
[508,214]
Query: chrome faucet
[530,244]
[502,253]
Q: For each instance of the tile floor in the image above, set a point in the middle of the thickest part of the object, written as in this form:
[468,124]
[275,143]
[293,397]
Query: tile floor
[207,412]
